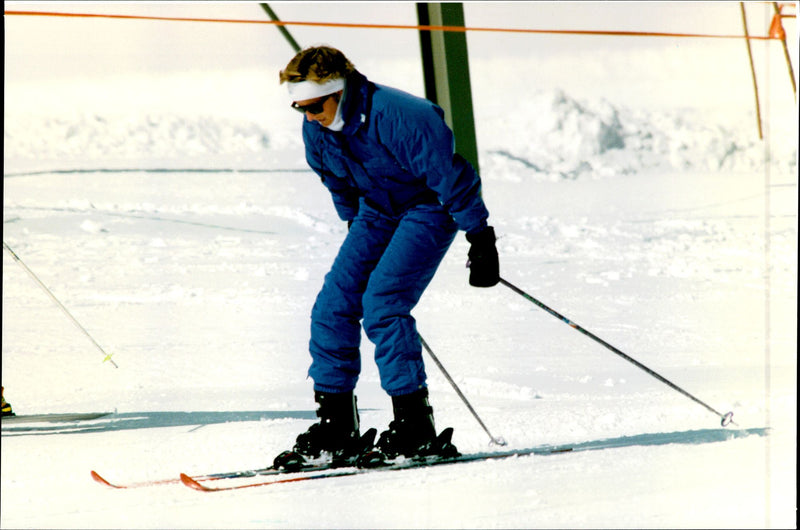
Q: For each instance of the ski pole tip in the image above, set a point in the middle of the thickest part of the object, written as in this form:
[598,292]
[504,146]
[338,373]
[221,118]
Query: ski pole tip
[727,419]
[499,441]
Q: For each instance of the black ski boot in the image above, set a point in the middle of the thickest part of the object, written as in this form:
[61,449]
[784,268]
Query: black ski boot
[412,434]
[337,434]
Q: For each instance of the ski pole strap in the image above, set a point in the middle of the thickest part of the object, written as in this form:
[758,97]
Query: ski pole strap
[727,418]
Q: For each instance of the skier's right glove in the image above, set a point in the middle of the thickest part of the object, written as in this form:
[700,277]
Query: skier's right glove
[484,264]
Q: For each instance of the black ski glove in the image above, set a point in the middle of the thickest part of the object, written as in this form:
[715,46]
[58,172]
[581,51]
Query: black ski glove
[484,265]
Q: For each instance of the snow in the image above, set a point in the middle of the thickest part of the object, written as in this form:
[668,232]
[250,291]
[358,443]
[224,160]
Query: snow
[191,245]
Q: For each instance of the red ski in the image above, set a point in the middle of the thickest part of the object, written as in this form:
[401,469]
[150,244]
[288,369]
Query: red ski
[202,478]
[196,485]
[98,478]
[394,466]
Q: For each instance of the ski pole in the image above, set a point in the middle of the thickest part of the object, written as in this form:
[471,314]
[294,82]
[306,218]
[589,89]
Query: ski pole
[107,356]
[727,418]
[497,441]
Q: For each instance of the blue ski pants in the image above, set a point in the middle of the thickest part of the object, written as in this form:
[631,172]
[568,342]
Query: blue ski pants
[382,268]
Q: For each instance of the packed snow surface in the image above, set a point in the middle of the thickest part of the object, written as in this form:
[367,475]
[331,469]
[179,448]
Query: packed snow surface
[192,246]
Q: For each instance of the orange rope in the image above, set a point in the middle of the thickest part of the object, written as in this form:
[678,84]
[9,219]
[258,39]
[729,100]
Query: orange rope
[390,26]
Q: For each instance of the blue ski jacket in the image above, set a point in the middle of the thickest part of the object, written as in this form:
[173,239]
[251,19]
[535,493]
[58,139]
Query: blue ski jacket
[394,152]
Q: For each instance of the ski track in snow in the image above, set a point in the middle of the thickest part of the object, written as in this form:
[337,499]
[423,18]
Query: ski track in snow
[648,230]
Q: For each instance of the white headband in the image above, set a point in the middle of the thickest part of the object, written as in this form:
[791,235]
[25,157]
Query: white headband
[305,90]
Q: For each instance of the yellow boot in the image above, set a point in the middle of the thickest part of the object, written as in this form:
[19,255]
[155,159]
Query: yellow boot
[6,405]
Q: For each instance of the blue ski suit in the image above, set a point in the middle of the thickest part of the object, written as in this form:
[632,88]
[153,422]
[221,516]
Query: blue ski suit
[393,174]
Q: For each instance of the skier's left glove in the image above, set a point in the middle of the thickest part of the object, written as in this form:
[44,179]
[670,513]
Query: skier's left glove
[484,264]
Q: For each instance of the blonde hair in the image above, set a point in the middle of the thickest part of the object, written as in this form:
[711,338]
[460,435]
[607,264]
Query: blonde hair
[317,63]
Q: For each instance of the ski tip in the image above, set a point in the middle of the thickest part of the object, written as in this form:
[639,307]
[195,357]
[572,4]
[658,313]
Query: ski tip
[192,483]
[97,478]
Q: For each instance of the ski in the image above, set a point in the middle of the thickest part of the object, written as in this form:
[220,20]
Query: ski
[249,473]
[97,477]
[318,474]
[329,469]
[649,439]
[298,466]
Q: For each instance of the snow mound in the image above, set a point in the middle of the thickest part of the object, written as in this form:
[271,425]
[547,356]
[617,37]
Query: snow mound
[571,139]
[139,141]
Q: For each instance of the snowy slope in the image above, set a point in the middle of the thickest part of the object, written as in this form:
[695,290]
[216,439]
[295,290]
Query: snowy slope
[201,285]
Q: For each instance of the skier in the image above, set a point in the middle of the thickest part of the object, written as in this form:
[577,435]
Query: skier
[388,159]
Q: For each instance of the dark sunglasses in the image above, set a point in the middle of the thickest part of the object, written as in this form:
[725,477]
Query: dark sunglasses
[313,108]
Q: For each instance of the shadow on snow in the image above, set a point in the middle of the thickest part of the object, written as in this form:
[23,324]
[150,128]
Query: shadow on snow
[61,424]
[57,424]
[696,437]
